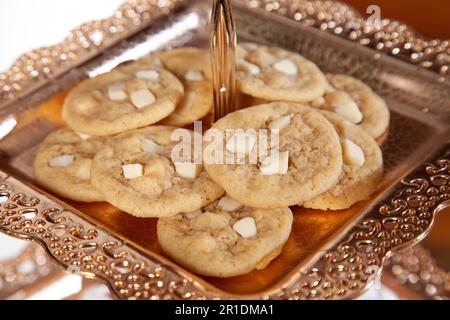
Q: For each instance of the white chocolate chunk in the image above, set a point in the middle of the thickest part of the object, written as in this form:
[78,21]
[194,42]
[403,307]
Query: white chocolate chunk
[83,136]
[246,227]
[116,92]
[350,111]
[152,147]
[193,215]
[250,67]
[280,123]
[228,204]
[148,75]
[344,105]
[277,163]
[142,98]
[287,67]
[241,143]
[188,170]
[86,102]
[320,101]
[62,161]
[194,75]
[329,88]
[352,153]
[132,171]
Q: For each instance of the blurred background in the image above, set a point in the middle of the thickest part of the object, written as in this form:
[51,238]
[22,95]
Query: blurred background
[430,18]
[26,24]
[25,271]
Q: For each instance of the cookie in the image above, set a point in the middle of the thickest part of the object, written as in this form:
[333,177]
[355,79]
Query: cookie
[135,173]
[131,96]
[225,239]
[308,161]
[63,165]
[192,66]
[362,169]
[275,74]
[356,102]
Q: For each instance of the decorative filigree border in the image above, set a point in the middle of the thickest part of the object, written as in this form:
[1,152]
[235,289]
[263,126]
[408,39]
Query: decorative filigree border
[400,221]
[84,249]
[344,271]
[390,37]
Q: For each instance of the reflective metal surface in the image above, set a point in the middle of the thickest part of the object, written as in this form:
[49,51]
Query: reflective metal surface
[332,255]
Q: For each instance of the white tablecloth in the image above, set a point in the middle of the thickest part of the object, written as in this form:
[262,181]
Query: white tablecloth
[29,24]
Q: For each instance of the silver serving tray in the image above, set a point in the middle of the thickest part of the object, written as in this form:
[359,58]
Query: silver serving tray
[99,242]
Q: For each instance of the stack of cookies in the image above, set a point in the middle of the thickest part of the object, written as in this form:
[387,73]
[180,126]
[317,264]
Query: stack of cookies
[303,139]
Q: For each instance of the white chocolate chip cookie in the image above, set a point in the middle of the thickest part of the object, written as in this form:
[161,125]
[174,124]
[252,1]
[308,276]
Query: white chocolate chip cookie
[219,242]
[192,66]
[135,173]
[63,165]
[309,160]
[131,96]
[275,74]
[362,169]
[355,101]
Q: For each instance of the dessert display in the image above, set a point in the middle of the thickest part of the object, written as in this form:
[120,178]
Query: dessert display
[222,196]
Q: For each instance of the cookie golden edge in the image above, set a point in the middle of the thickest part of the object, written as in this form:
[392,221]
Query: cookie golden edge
[203,101]
[313,90]
[192,260]
[140,118]
[361,182]
[61,184]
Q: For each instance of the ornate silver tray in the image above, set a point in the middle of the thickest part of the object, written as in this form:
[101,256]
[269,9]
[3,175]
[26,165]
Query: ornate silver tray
[348,248]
